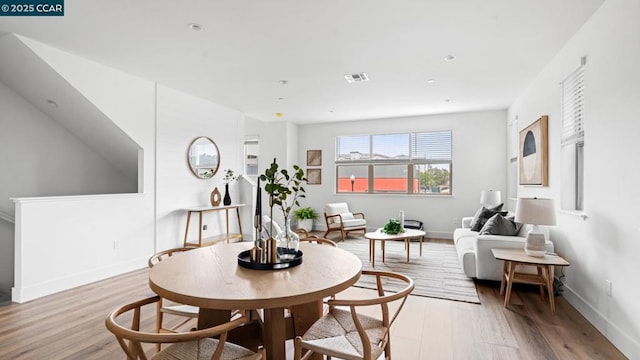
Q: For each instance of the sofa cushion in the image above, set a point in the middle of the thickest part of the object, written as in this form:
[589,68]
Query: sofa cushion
[500,225]
[460,233]
[484,214]
[354,223]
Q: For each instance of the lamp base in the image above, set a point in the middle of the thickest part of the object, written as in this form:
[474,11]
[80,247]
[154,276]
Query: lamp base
[534,245]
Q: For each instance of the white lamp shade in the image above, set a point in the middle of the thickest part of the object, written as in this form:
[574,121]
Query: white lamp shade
[490,197]
[535,211]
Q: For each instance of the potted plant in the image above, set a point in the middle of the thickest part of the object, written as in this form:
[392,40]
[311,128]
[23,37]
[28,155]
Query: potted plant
[229,177]
[284,190]
[305,217]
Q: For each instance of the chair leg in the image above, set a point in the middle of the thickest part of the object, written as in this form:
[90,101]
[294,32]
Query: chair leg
[297,348]
[387,348]
[159,318]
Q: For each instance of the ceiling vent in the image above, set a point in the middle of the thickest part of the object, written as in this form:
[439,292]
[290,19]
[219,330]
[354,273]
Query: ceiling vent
[354,78]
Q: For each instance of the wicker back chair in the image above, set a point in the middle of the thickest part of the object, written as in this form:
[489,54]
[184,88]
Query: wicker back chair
[196,344]
[346,334]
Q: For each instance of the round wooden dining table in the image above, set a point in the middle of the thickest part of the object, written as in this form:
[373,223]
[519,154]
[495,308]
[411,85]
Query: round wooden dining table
[211,278]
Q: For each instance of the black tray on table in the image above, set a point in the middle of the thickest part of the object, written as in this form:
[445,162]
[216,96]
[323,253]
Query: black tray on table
[244,260]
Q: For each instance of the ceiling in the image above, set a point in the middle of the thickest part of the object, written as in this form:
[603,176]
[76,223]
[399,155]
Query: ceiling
[246,47]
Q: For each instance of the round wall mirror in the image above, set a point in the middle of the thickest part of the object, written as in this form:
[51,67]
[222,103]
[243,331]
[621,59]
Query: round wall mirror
[203,157]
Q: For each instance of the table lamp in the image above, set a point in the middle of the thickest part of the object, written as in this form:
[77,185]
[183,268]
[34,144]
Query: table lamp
[490,198]
[536,212]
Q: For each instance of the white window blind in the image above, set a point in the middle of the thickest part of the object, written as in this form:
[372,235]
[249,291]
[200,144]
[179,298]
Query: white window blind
[573,107]
[433,145]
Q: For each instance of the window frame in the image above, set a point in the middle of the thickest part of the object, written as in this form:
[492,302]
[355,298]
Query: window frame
[410,163]
[572,137]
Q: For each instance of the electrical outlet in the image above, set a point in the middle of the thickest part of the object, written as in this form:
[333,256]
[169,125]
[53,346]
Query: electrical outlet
[455,221]
[116,244]
[608,287]
[205,227]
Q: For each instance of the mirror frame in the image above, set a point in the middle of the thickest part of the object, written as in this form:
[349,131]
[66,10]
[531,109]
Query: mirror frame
[194,169]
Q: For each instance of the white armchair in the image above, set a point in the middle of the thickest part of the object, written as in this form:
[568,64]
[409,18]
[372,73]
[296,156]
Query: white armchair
[339,218]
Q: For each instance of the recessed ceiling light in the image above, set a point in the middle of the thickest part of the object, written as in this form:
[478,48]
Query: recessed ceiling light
[195,27]
[283,82]
[280,98]
[447,100]
[449,58]
[52,103]
[431,81]
[359,77]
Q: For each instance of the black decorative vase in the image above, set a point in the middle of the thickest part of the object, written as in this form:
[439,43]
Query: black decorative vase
[227,198]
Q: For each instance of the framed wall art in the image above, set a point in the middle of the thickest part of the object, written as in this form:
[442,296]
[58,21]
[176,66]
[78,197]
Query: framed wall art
[314,176]
[314,157]
[533,153]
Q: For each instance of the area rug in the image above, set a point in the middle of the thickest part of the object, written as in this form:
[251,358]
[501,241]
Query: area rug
[436,273]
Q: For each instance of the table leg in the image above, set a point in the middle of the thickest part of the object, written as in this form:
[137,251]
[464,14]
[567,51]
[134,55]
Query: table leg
[421,238]
[382,250]
[372,253]
[211,317]
[239,223]
[227,223]
[541,275]
[407,243]
[511,272]
[200,229]
[504,275]
[304,316]
[550,289]
[186,230]
[274,333]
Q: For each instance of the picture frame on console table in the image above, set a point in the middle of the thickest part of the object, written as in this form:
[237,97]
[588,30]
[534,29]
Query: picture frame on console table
[533,153]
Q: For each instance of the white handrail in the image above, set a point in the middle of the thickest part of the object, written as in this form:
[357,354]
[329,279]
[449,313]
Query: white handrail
[7,217]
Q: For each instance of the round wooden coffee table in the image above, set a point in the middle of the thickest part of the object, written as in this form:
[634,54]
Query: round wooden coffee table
[378,235]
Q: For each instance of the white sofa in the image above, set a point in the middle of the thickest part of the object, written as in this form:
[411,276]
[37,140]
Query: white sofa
[474,250]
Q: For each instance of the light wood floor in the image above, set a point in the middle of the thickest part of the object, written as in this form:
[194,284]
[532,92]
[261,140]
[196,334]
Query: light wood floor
[70,325]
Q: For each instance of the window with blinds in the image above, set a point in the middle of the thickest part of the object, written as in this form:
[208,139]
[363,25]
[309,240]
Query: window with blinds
[573,107]
[402,163]
[572,139]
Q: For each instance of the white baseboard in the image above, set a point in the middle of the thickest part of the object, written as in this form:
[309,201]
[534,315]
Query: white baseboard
[28,293]
[439,235]
[621,340]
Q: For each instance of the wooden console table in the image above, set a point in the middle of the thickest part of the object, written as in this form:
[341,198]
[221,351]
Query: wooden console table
[216,238]
[543,278]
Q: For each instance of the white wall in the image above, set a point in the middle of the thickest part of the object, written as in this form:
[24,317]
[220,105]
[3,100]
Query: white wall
[605,246]
[479,150]
[276,140]
[40,157]
[62,242]
[182,118]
